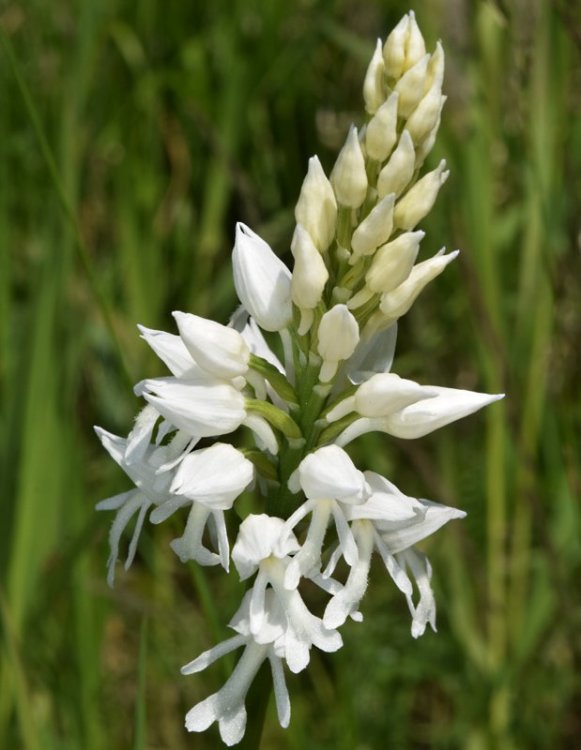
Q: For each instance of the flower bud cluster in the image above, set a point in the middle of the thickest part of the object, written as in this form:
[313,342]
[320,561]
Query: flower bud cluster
[304,366]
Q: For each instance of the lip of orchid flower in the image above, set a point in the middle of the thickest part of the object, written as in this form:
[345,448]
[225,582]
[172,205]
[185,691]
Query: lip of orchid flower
[227,705]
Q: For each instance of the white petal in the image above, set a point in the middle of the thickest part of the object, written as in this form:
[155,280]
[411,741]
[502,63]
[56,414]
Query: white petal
[425,416]
[281,696]
[172,352]
[214,476]
[259,537]
[209,657]
[219,349]
[373,354]
[385,393]
[262,280]
[199,410]
[406,534]
[329,473]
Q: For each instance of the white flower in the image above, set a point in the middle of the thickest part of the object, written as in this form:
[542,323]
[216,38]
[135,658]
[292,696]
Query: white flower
[144,463]
[210,480]
[227,705]
[331,482]
[383,394]
[443,406]
[262,280]
[219,349]
[202,410]
[391,523]
[263,545]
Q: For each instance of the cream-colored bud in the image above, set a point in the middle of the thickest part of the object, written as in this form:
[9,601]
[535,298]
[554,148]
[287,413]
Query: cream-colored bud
[411,87]
[396,303]
[349,178]
[375,229]
[309,275]
[338,337]
[415,46]
[428,143]
[394,49]
[418,201]
[381,131]
[393,262]
[373,87]
[435,74]
[316,209]
[423,119]
[399,170]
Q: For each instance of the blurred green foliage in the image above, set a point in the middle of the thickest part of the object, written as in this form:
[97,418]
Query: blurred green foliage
[134,135]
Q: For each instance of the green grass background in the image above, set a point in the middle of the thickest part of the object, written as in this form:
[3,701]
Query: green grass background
[133,136]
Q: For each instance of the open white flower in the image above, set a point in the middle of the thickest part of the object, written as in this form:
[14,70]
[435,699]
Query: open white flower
[424,415]
[263,546]
[147,465]
[227,705]
[210,480]
[332,483]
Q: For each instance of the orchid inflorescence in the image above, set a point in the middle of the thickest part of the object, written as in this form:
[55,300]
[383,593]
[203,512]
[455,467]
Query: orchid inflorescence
[334,322]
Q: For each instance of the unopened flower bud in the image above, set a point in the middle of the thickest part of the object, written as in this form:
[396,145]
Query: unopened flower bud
[381,131]
[373,91]
[435,74]
[393,262]
[396,303]
[427,144]
[316,209]
[423,119]
[348,177]
[338,337]
[415,45]
[411,86]
[399,170]
[418,201]
[394,49]
[375,229]
[309,276]
[262,280]
[218,349]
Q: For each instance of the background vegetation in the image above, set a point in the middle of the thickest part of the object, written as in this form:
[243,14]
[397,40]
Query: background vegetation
[134,135]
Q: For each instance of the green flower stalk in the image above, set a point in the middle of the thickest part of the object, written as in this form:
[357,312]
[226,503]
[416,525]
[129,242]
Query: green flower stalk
[355,274]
